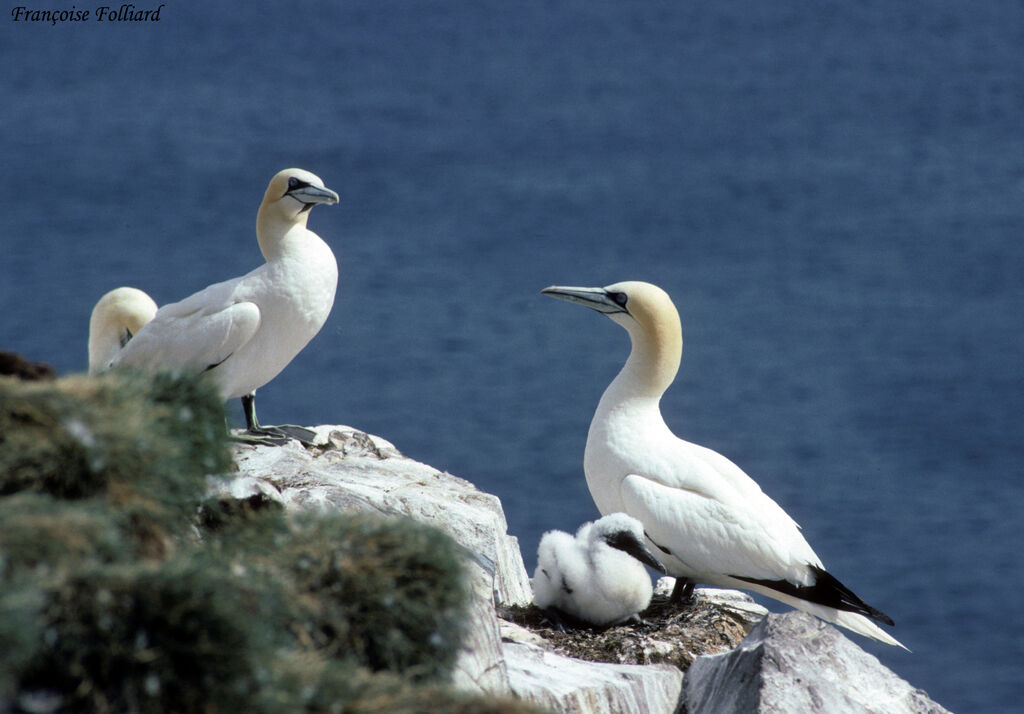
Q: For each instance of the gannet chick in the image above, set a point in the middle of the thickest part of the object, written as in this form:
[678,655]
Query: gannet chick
[115,319]
[709,521]
[243,332]
[598,577]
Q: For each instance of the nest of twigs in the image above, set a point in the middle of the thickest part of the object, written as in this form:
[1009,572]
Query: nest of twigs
[668,633]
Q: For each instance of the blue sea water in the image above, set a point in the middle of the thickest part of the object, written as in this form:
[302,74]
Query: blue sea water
[833,194]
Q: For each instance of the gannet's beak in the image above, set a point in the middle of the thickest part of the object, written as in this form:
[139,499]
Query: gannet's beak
[595,298]
[627,543]
[311,195]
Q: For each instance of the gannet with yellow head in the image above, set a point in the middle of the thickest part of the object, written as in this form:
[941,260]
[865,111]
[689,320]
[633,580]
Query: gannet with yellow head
[115,319]
[244,331]
[709,522]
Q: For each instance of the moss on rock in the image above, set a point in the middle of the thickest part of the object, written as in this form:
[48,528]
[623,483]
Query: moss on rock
[175,636]
[143,443]
[388,593]
[43,537]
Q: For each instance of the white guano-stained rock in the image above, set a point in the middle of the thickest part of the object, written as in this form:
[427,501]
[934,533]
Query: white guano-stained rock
[797,663]
[787,663]
[573,686]
[349,470]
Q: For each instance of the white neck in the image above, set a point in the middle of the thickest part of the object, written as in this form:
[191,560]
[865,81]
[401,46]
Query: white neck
[652,365]
[273,229]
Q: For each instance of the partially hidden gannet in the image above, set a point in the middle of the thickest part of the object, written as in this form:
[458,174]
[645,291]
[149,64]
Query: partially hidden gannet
[598,576]
[710,522]
[115,319]
[243,332]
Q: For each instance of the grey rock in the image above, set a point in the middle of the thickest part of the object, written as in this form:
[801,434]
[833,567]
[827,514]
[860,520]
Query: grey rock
[349,470]
[797,663]
[785,664]
[248,488]
[569,685]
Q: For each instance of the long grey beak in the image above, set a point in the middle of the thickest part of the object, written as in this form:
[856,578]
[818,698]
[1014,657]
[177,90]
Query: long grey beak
[595,298]
[625,542]
[311,195]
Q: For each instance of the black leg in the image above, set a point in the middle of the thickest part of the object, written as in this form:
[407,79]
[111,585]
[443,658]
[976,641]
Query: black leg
[249,409]
[682,591]
[555,617]
[271,435]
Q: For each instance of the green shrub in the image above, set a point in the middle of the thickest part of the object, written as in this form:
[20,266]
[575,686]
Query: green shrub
[143,444]
[21,632]
[388,593]
[178,636]
[128,436]
[392,589]
[42,537]
[333,687]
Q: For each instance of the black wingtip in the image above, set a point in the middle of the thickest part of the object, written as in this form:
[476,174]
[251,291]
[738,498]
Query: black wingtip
[827,591]
[854,603]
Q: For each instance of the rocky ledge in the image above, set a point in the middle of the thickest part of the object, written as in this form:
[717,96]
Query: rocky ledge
[736,656]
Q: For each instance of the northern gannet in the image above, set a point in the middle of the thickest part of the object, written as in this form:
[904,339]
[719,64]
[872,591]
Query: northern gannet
[243,332]
[115,319]
[598,576]
[710,522]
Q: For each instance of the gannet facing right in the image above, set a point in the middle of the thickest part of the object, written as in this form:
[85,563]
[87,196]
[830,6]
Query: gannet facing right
[709,521]
[116,318]
[243,332]
[598,577]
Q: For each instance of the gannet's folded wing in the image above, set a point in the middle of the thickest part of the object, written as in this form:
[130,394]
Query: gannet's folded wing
[710,536]
[195,334]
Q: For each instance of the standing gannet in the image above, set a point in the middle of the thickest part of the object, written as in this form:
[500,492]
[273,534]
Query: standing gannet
[598,577]
[115,319]
[244,331]
[710,521]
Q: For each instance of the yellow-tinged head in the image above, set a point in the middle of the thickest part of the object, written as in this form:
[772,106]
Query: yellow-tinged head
[116,318]
[287,202]
[648,314]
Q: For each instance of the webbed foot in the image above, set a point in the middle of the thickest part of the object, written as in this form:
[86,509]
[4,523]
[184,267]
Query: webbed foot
[260,438]
[291,431]
[256,433]
[277,435]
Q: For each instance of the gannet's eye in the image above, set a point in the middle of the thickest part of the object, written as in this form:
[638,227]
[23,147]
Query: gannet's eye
[619,298]
[293,183]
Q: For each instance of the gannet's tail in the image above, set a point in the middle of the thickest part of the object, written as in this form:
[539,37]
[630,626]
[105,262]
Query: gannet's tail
[862,626]
[852,621]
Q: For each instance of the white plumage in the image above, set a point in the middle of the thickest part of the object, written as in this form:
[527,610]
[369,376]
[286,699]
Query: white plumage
[709,521]
[598,576]
[117,317]
[244,331]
